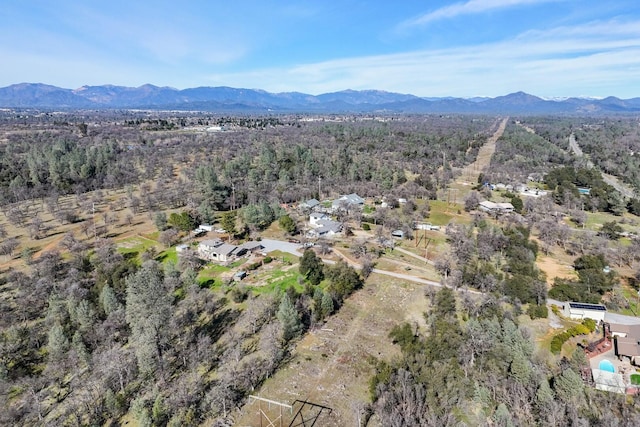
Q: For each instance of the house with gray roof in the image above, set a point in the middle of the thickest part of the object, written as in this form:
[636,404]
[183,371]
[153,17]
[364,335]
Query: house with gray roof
[309,204]
[347,202]
[215,250]
[325,227]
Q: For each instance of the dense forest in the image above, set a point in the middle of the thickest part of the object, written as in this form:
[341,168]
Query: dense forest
[94,332]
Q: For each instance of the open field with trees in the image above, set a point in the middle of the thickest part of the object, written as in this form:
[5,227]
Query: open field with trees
[109,315]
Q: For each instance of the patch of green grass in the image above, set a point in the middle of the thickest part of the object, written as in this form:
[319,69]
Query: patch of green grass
[152,236]
[440,213]
[635,379]
[278,281]
[284,257]
[596,219]
[169,255]
[238,262]
[134,246]
[368,209]
[630,295]
[211,273]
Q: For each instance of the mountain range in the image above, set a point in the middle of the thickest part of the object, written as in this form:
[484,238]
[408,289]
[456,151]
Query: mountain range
[226,99]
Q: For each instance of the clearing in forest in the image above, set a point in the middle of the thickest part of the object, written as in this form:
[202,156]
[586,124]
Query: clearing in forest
[470,173]
[332,365]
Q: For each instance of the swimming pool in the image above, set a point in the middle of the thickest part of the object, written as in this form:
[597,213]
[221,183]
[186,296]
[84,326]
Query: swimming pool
[606,365]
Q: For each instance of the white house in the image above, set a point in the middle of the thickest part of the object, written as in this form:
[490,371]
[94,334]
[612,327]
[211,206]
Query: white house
[497,208]
[316,217]
[581,310]
[215,250]
[427,226]
[206,227]
[223,252]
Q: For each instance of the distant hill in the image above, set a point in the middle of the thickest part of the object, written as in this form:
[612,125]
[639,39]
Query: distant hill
[37,95]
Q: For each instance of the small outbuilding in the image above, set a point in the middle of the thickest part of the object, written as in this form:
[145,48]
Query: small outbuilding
[582,310]
[397,233]
[181,248]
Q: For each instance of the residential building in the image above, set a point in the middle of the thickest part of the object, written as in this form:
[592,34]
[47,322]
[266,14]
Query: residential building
[316,217]
[495,208]
[626,341]
[347,202]
[325,227]
[309,204]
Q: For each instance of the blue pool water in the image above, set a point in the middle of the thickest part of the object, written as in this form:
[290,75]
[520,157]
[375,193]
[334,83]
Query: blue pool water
[606,365]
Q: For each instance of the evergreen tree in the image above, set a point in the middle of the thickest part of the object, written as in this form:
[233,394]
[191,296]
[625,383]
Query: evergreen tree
[327,305]
[287,224]
[311,267]
[289,319]
[148,311]
[108,300]
[57,343]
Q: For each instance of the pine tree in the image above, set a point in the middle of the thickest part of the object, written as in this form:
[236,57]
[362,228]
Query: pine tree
[147,313]
[327,305]
[57,343]
[109,300]
[311,267]
[289,318]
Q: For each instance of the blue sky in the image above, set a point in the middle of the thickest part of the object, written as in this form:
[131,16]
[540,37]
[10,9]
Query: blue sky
[549,48]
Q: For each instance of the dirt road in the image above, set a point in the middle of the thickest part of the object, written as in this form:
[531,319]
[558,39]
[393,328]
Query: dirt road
[471,172]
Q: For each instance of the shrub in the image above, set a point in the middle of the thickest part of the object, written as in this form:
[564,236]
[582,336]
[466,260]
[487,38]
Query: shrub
[267,260]
[365,226]
[239,294]
[587,326]
[538,311]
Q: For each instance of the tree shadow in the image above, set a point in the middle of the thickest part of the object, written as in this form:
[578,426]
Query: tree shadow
[222,321]
[130,255]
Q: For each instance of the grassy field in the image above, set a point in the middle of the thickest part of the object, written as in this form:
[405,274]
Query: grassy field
[275,280]
[136,244]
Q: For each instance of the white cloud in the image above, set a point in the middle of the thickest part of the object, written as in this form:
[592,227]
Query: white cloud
[588,60]
[467,8]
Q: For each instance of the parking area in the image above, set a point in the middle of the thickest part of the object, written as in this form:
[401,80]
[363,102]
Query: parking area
[278,245]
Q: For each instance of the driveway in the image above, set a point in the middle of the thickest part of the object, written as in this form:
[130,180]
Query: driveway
[279,245]
[621,319]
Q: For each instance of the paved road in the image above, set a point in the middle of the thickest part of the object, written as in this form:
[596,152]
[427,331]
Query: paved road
[279,245]
[622,319]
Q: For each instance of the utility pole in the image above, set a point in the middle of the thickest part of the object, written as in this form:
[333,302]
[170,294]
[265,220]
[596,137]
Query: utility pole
[95,232]
[233,196]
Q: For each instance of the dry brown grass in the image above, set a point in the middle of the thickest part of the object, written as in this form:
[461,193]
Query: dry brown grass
[554,267]
[332,366]
[120,229]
